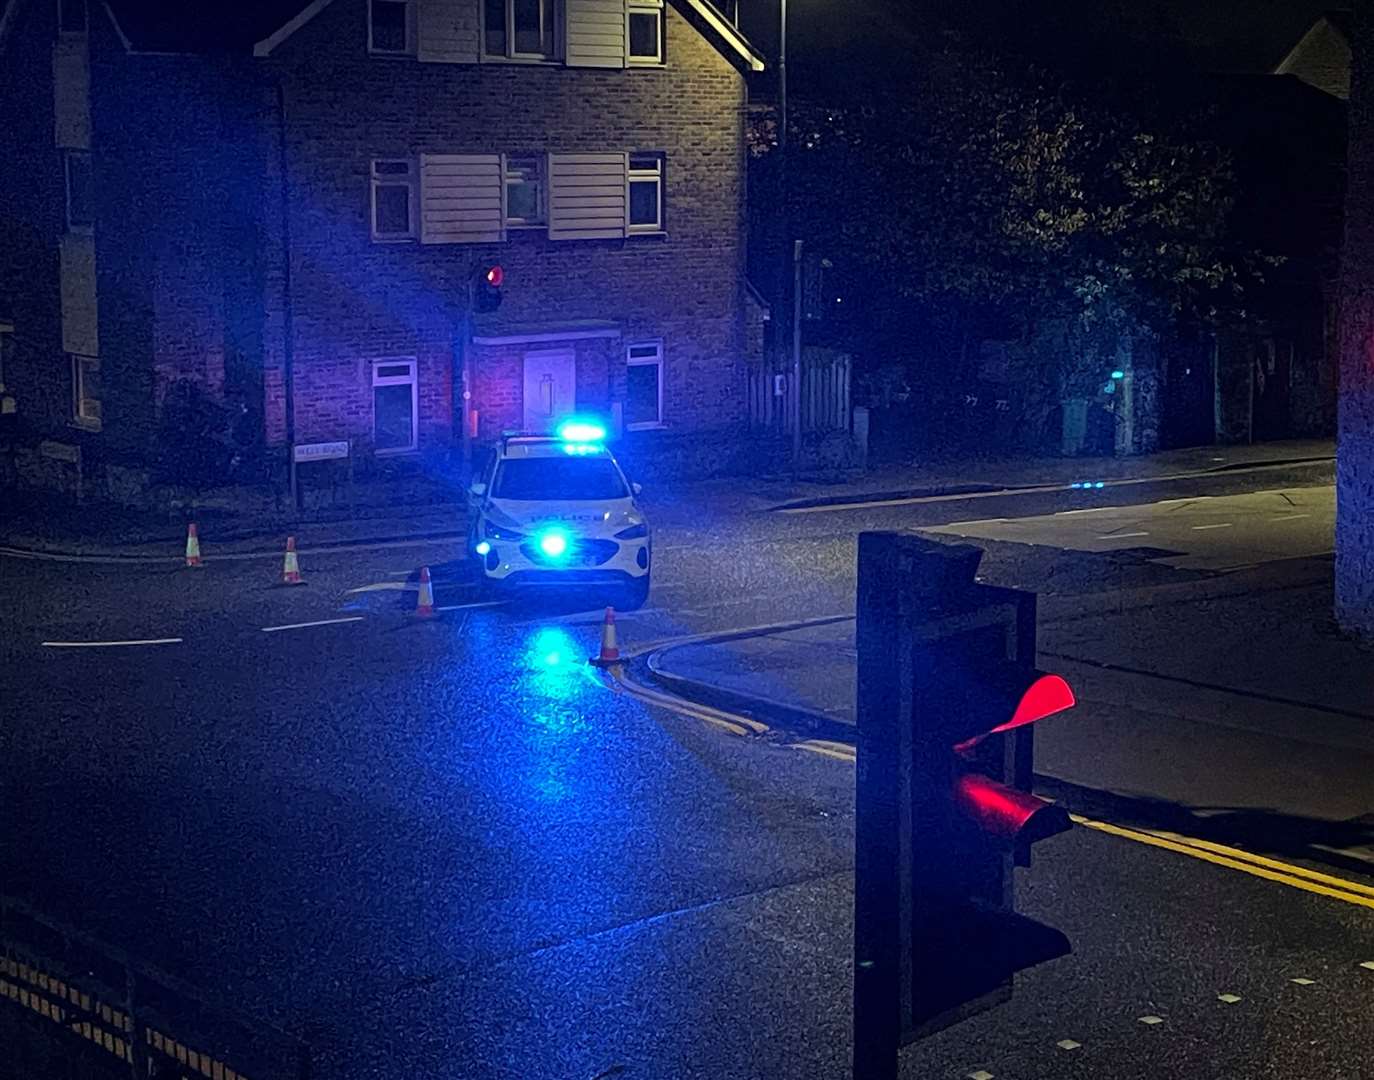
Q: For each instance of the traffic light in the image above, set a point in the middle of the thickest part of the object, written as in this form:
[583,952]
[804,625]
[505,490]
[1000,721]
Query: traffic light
[948,696]
[486,288]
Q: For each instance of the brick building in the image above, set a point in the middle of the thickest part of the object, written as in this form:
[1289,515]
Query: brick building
[300,193]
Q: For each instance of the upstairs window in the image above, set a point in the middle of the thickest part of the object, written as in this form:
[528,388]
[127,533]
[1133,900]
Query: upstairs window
[525,191]
[519,29]
[393,199]
[80,201]
[645,32]
[388,27]
[646,193]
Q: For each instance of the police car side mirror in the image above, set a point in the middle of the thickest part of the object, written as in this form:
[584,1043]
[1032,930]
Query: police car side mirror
[638,489]
[477,489]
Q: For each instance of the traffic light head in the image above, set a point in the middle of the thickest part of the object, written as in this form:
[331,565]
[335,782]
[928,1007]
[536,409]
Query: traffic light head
[486,288]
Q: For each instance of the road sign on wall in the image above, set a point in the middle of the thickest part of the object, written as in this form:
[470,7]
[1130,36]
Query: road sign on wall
[321,451]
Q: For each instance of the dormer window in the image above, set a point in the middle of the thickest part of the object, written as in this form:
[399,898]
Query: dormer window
[519,29]
[388,27]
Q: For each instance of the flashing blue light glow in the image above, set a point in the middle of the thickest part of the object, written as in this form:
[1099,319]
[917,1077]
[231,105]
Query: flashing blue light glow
[1099,484]
[482,548]
[581,449]
[1118,374]
[581,431]
[1076,484]
[553,543]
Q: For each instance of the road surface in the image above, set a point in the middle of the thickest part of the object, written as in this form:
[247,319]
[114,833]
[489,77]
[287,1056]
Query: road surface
[446,848]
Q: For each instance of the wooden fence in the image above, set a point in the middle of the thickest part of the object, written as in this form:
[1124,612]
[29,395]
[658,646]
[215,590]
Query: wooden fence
[825,394]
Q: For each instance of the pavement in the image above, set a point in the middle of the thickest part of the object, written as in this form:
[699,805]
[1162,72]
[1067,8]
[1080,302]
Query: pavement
[450,848]
[250,522]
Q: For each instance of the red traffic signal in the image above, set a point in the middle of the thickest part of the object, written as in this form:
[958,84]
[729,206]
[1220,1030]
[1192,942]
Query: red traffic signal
[485,289]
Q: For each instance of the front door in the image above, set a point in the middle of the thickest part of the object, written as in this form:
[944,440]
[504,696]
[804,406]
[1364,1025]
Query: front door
[550,388]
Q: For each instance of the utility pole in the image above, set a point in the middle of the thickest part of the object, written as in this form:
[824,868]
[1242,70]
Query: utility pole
[797,352]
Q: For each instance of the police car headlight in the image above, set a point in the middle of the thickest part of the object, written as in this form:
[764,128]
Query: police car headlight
[634,532]
[495,532]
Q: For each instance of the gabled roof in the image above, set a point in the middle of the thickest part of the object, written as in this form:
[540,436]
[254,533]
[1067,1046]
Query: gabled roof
[1337,19]
[260,25]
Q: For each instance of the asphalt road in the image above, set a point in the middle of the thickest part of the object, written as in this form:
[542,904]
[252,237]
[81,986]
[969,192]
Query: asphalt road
[445,848]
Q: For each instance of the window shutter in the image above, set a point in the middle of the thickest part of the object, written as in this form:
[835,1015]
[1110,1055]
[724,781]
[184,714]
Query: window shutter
[462,199]
[447,31]
[587,198]
[595,33]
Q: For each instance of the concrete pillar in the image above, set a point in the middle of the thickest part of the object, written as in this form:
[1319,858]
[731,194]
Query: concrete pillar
[1355,409]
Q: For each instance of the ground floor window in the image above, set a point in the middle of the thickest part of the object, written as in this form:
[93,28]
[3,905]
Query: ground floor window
[86,391]
[644,385]
[395,405]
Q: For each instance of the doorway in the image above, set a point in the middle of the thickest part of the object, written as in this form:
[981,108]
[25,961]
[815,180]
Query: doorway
[550,388]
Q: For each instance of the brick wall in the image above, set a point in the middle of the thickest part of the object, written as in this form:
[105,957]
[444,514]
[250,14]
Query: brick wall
[354,300]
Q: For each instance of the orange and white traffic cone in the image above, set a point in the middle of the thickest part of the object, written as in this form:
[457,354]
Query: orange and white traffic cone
[610,651]
[192,545]
[291,569]
[424,600]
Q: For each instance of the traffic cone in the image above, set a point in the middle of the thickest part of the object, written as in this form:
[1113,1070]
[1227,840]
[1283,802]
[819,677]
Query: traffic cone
[610,652]
[192,545]
[291,569]
[424,600]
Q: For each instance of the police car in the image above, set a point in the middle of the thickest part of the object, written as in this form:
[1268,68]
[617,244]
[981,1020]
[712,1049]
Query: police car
[557,511]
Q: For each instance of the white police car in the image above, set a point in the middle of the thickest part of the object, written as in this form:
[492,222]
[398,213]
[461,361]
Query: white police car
[558,511]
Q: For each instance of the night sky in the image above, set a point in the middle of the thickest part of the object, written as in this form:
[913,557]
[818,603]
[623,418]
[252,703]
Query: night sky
[1213,35]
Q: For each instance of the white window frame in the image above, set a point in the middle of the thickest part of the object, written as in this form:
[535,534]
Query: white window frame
[411,378]
[645,7]
[512,175]
[83,416]
[68,156]
[411,182]
[552,8]
[641,175]
[650,354]
[409,16]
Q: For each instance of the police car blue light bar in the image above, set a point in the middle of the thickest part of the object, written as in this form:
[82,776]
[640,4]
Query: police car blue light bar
[581,431]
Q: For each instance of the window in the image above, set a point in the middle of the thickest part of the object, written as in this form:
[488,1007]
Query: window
[86,392]
[393,199]
[394,405]
[6,351]
[388,26]
[71,16]
[525,191]
[645,32]
[561,479]
[646,192]
[644,385]
[519,28]
[80,210]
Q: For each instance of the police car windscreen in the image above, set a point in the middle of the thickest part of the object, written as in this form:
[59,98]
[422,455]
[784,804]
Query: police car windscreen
[550,478]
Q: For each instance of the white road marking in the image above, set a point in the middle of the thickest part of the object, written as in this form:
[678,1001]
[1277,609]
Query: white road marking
[979,521]
[1304,982]
[474,604]
[381,586]
[1068,1044]
[1219,525]
[1085,510]
[1122,536]
[111,644]
[1230,999]
[1152,1020]
[318,622]
[981,1074]
[1290,517]
[1368,964]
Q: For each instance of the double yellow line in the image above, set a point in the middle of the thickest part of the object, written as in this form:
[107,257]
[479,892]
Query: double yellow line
[1298,877]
